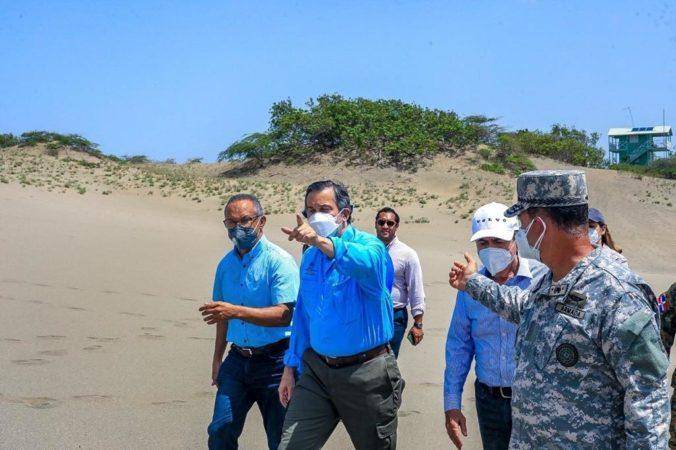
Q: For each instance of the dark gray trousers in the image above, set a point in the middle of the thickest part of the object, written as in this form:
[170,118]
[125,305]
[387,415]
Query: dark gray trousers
[366,397]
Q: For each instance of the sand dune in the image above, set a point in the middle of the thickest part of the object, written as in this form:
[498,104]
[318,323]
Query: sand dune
[101,344]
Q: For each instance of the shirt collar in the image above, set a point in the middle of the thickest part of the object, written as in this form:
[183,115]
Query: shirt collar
[580,267]
[349,233]
[393,242]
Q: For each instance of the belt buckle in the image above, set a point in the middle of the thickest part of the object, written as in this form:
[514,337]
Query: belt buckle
[502,394]
[247,350]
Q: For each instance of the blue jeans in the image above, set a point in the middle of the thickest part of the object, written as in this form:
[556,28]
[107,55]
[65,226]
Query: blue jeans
[400,326]
[495,418]
[241,383]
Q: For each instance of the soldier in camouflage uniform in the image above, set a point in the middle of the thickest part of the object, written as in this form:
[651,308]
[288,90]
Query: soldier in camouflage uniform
[668,331]
[590,368]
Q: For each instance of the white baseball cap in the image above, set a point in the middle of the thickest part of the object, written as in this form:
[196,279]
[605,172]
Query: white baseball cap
[490,221]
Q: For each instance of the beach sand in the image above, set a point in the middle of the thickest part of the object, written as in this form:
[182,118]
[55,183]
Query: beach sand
[102,346]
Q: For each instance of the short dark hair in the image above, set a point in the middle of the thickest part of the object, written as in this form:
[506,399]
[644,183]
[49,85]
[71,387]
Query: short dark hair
[339,192]
[387,209]
[568,218]
[250,197]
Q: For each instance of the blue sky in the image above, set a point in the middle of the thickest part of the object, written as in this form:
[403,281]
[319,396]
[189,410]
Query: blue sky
[185,79]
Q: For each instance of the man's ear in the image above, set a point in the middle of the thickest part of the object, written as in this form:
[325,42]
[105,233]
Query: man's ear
[264,220]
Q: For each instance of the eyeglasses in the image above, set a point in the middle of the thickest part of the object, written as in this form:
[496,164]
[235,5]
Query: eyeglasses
[382,222]
[244,222]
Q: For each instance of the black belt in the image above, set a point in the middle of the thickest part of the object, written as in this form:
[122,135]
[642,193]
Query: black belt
[399,309]
[344,361]
[249,352]
[497,391]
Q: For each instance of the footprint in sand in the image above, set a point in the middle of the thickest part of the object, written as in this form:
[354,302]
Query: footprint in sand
[30,362]
[76,308]
[36,302]
[133,314]
[42,284]
[187,299]
[52,337]
[203,394]
[103,339]
[151,336]
[198,338]
[180,324]
[148,294]
[169,402]
[92,397]
[148,328]
[408,413]
[33,402]
[108,291]
[92,347]
[60,352]
[428,384]
[11,340]
[73,288]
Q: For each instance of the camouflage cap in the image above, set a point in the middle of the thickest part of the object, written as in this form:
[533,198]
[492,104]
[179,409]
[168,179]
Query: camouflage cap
[549,188]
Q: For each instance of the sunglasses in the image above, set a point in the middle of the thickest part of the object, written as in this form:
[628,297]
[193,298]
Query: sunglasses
[382,222]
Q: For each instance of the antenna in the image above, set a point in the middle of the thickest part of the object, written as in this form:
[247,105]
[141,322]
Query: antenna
[628,108]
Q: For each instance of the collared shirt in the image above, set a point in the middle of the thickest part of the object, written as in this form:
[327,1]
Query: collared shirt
[408,281]
[344,306]
[477,332]
[591,371]
[266,276]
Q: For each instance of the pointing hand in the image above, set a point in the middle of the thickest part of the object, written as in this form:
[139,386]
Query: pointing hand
[302,233]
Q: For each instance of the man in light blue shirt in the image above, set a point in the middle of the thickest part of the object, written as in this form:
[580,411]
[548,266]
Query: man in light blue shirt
[255,289]
[341,329]
[477,332]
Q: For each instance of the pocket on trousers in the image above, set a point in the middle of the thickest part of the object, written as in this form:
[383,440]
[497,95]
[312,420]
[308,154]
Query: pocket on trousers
[396,380]
[388,429]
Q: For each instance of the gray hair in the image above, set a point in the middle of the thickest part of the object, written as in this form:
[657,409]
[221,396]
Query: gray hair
[339,192]
[250,197]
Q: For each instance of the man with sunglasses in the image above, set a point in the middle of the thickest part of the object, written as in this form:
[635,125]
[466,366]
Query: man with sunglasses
[342,326]
[255,290]
[407,290]
[591,371]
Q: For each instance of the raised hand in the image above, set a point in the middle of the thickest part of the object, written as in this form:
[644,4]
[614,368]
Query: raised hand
[460,273]
[302,233]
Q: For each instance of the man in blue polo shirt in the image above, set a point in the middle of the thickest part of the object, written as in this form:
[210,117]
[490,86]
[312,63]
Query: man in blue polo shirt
[341,329]
[255,289]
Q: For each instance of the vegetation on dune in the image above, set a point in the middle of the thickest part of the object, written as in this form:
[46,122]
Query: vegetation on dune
[663,168]
[403,135]
[361,131]
[53,141]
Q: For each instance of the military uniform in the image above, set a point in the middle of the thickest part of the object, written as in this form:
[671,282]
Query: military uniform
[590,367]
[668,331]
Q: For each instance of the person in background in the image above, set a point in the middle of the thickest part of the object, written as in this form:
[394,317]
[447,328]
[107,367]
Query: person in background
[478,333]
[407,290]
[255,289]
[342,327]
[667,309]
[599,235]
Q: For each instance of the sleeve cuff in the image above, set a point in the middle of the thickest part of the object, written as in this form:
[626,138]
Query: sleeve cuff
[338,247]
[291,360]
[418,310]
[476,284]
[452,402]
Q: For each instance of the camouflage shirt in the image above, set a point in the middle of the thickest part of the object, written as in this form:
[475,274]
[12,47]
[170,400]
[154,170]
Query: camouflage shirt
[590,367]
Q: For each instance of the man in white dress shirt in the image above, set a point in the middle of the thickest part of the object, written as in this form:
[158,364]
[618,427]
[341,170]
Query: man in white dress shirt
[407,290]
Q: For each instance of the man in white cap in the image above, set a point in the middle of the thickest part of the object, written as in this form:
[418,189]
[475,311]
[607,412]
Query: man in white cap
[477,332]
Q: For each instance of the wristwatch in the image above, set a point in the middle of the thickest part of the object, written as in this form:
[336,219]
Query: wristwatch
[418,325]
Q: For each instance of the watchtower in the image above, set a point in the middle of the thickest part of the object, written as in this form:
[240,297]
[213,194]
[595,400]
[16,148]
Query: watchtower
[639,145]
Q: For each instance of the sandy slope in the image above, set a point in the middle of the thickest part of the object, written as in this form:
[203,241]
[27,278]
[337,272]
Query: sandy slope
[101,345]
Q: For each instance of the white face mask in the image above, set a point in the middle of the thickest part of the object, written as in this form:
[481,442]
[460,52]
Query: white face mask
[324,224]
[495,260]
[525,249]
[594,237]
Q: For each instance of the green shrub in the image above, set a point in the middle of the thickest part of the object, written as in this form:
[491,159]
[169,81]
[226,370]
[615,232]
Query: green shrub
[8,140]
[194,161]
[135,159]
[362,131]
[663,168]
[494,167]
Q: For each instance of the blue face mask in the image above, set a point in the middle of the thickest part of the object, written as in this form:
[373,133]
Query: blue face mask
[244,238]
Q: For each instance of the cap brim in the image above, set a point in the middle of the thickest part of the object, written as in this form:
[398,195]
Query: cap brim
[515,209]
[505,235]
